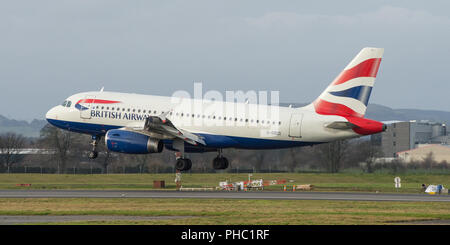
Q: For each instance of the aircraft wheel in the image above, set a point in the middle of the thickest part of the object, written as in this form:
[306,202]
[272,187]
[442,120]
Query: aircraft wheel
[225,163]
[220,163]
[189,165]
[183,164]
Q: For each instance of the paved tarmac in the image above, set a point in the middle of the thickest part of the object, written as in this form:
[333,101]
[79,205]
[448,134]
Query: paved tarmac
[264,195]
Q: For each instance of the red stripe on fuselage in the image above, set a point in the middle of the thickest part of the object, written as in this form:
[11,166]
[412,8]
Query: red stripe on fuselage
[97,101]
[367,68]
[324,107]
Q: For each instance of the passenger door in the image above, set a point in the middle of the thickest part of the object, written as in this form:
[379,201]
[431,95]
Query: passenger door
[295,126]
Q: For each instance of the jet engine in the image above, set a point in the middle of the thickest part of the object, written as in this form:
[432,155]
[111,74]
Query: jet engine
[132,142]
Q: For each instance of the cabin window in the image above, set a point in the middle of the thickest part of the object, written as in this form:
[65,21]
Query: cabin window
[69,103]
[139,111]
[64,103]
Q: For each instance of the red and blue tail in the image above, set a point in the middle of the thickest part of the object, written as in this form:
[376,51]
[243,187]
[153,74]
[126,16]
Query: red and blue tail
[349,93]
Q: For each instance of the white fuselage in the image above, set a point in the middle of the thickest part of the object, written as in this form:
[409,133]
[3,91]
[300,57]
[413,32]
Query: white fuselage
[283,126]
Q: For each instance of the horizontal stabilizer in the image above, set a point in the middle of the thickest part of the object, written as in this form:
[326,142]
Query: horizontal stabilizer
[340,125]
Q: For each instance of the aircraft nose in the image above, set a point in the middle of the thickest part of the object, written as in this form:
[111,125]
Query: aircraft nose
[51,114]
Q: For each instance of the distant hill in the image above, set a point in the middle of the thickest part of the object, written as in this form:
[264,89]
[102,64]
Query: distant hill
[384,113]
[374,111]
[27,129]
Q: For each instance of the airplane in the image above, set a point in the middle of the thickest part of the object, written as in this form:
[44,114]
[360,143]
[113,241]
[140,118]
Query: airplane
[144,124]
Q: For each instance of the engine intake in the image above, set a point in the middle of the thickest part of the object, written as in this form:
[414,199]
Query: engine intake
[132,142]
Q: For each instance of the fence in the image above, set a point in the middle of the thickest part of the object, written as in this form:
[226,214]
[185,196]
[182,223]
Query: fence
[121,170]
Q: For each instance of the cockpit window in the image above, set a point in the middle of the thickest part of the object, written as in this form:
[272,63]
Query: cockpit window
[67,103]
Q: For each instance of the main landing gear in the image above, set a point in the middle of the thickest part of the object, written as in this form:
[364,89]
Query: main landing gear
[182,164]
[185,164]
[220,162]
[94,153]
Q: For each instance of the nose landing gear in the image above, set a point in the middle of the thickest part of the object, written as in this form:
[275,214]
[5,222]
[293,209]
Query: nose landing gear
[94,153]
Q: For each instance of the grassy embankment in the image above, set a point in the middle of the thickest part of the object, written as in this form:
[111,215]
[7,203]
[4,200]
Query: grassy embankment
[411,183]
[224,212]
[220,211]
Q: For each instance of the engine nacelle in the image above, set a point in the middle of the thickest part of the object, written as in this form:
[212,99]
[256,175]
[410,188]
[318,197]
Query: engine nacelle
[132,142]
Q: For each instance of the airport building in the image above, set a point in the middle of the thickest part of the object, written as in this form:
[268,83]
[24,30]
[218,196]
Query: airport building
[404,136]
[439,152]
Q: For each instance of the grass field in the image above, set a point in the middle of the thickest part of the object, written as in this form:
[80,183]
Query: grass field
[237,212]
[226,211]
[411,183]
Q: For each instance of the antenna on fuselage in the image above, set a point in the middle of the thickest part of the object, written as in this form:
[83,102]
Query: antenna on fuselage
[101,90]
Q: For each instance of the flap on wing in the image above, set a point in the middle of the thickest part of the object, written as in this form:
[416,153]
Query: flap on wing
[161,127]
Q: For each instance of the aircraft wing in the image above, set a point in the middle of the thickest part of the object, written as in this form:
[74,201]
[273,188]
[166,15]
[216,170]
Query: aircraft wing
[161,127]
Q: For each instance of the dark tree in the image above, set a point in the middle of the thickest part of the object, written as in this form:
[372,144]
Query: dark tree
[428,161]
[60,141]
[364,151]
[10,146]
[332,154]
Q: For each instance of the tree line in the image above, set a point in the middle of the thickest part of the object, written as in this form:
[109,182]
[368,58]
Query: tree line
[67,151]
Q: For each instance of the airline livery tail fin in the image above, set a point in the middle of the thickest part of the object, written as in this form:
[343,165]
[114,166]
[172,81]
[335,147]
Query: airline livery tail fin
[349,93]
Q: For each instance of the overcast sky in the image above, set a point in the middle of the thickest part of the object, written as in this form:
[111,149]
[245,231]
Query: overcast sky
[52,49]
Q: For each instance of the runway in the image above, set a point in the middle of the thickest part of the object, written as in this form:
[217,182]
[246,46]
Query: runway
[263,195]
